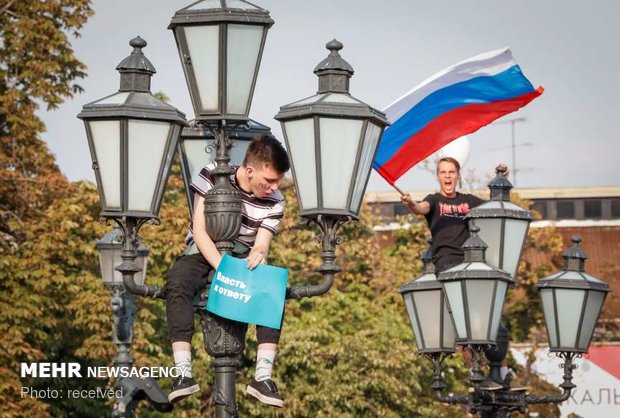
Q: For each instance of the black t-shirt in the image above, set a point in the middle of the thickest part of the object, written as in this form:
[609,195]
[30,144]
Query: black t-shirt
[446,220]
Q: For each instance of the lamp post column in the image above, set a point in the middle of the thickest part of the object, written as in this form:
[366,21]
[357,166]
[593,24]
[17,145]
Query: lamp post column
[132,137]
[220,45]
[224,339]
[124,311]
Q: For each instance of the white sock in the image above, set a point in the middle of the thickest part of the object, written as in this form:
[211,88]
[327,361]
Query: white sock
[264,364]
[183,360]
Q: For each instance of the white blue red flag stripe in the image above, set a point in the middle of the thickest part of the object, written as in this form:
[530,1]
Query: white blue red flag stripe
[454,102]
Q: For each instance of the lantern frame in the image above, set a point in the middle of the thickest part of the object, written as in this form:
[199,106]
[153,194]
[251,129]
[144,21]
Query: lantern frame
[474,268]
[110,247]
[133,103]
[222,17]
[420,320]
[332,104]
[572,278]
[500,209]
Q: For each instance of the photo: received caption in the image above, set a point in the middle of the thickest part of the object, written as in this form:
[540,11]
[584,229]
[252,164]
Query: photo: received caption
[49,393]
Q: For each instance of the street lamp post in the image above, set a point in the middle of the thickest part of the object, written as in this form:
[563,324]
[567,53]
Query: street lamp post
[332,138]
[426,304]
[123,306]
[476,289]
[132,137]
[110,248]
[220,44]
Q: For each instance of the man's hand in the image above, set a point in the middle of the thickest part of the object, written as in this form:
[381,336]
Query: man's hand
[406,199]
[503,168]
[255,258]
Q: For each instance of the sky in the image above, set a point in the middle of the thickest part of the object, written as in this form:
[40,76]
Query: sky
[568,138]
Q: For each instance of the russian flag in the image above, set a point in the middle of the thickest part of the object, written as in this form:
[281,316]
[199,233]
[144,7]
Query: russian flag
[454,102]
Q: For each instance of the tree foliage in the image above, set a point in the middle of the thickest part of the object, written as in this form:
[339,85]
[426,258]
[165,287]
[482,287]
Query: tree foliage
[37,65]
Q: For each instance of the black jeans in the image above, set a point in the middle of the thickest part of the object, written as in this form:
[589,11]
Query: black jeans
[188,276]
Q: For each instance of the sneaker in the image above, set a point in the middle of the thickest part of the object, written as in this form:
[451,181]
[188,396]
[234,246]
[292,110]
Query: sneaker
[182,388]
[266,392]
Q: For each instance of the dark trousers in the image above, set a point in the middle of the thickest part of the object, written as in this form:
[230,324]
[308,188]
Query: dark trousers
[187,277]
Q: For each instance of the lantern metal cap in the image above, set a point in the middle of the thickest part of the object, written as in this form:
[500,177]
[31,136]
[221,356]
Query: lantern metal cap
[499,206]
[474,265]
[575,257]
[573,273]
[474,248]
[333,97]
[134,98]
[428,279]
[428,267]
[500,186]
[334,72]
[206,11]
[136,69]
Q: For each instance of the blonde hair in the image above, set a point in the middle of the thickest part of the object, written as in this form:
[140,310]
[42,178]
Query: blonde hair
[450,160]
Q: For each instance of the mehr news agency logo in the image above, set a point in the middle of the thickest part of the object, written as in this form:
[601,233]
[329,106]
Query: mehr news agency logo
[75,370]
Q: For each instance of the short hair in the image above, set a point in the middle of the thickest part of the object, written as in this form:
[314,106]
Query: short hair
[266,149]
[449,160]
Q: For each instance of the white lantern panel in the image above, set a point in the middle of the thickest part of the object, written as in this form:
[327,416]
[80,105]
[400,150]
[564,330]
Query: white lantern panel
[203,45]
[490,233]
[477,265]
[107,143]
[408,298]
[244,43]
[593,307]
[206,4]
[491,204]
[516,229]
[197,156]
[236,4]
[455,298]
[300,137]
[479,300]
[108,260]
[118,98]
[195,152]
[341,98]
[307,100]
[371,140]
[549,310]
[569,303]
[428,307]
[500,296]
[569,275]
[449,333]
[592,279]
[146,151]
[339,143]
[513,207]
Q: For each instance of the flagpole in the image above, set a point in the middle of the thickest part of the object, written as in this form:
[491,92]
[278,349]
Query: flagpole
[398,189]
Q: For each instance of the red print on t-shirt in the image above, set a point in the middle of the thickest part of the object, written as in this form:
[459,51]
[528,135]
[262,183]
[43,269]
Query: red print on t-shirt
[448,209]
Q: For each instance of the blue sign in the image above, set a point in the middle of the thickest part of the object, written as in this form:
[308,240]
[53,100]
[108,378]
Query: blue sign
[250,296]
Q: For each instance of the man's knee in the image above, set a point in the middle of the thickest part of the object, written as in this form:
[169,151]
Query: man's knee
[267,335]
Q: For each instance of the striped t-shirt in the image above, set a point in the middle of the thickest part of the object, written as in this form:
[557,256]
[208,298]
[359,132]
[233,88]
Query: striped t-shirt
[264,212]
